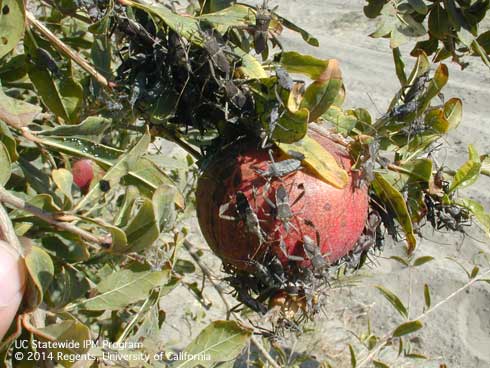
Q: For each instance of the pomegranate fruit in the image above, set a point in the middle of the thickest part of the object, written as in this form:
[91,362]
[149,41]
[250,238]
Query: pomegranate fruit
[333,218]
[12,285]
[83,173]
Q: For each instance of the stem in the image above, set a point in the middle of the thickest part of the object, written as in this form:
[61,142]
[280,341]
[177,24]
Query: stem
[60,45]
[171,135]
[387,337]
[189,247]
[50,218]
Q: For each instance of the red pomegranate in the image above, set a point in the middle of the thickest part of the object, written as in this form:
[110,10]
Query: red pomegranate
[333,218]
[83,173]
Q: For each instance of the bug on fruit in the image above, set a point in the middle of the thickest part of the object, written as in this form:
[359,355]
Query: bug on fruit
[313,253]
[279,169]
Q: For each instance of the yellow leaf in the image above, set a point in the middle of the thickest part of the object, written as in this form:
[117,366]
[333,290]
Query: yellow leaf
[321,162]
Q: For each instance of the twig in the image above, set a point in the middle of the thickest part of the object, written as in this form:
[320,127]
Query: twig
[66,50]
[387,337]
[49,217]
[189,247]
[264,352]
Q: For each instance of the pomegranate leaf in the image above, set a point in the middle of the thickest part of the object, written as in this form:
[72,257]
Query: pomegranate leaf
[319,161]
[394,301]
[322,93]
[394,199]
[220,341]
[427,297]
[12,23]
[61,94]
[469,172]
[9,141]
[307,37]
[142,230]
[68,285]
[63,179]
[453,112]
[40,269]
[478,211]
[292,126]
[92,126]
[66,248]
[399,66]
[407,328]
[123,216]
[16,113]
[122,288]
[5,165]
[71,335]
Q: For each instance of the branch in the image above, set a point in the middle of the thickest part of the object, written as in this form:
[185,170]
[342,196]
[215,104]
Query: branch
[50,218]
[60,45]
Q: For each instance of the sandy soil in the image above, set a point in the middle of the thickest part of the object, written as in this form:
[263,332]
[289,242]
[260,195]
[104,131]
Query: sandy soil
[457,333]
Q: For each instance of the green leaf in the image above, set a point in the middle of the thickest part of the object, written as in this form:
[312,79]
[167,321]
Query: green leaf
[5,165]
[379,364]
[123,288]
[292,126]
[419,6]
[126,209]
[307,37]
[468,173]
[474,272]
[40,270]
[373,8]
[164,200]
[386,24]
[427,298]
[453,112]
[321,94]
[66,250]
[407,328]
[7,138]
[65,333]
[143,229]
[394,301]
[314,68]
[439,26]
[353,359]
[394,199]
[124,165]
[220,341]
[321,162]
[12,23]
[233,16]
[478,49]
[64,181]
[68,285]
[422,260]
[16,113]
[62,97]
[399,66]
[478,211]
[400,260]
[186,26]
[92,126]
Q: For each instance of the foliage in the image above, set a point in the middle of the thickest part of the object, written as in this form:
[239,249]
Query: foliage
[113,82]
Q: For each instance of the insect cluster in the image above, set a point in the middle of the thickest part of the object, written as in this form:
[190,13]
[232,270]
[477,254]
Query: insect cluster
[190,79]
[276,276]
